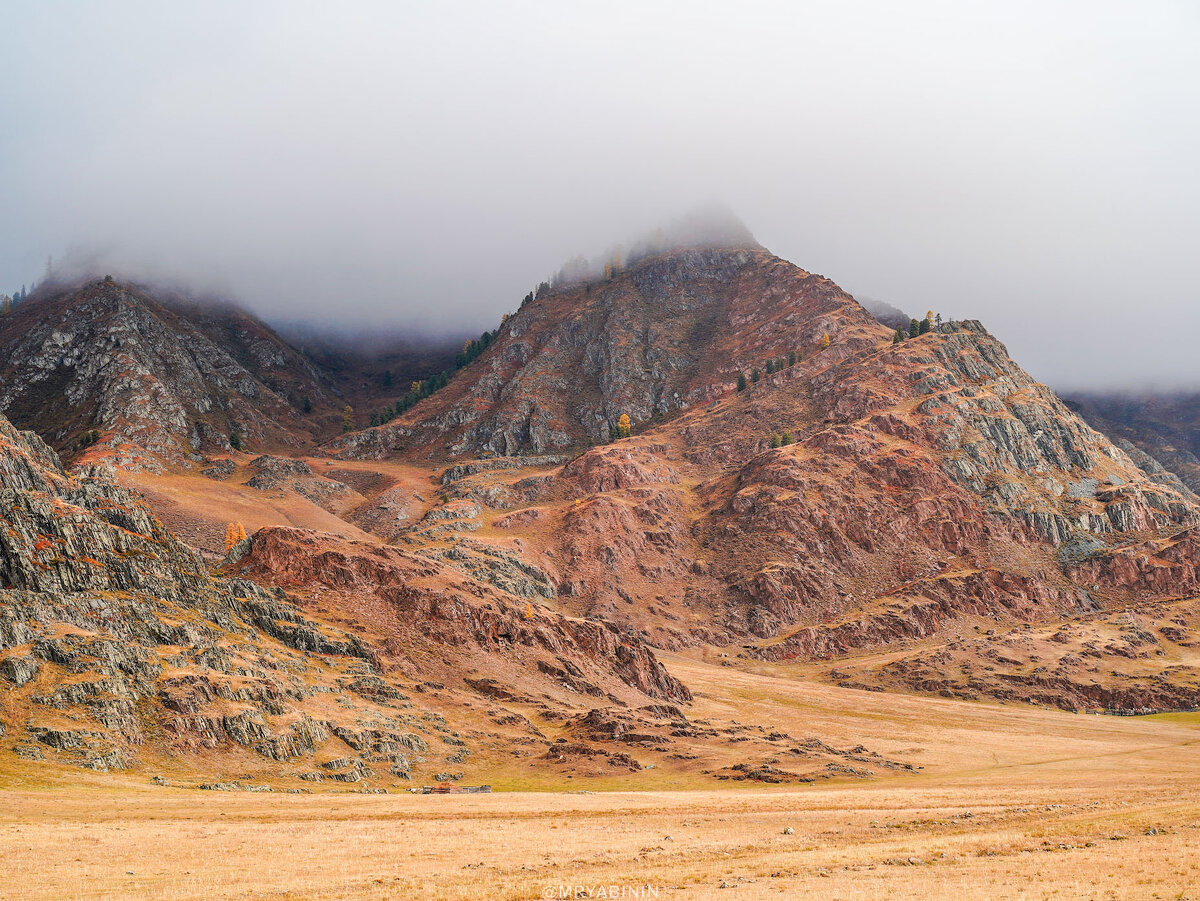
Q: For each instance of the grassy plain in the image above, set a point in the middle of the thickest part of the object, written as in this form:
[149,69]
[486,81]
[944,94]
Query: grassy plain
[1011,802]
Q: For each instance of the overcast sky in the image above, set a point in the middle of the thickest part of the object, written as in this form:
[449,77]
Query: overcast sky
[1030,164]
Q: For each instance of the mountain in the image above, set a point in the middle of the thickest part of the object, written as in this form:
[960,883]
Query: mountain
[1161,431]
[477,588]
[159,377]
[669,333]
[149,378]
[932,486]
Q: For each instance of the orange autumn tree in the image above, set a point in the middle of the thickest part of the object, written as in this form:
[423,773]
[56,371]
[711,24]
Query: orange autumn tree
[624,426]
[234,532]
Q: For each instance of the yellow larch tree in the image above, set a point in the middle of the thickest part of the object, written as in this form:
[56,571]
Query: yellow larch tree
[234,532]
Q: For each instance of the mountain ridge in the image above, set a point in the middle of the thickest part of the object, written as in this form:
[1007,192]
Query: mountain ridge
[492,571]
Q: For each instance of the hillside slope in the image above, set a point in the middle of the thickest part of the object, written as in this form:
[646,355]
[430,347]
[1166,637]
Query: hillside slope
[118,648]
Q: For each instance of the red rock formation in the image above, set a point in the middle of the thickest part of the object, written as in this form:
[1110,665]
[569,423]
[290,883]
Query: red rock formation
[417,600]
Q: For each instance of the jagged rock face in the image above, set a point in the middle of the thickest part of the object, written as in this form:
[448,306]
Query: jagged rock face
[939,480]
[942,494]
[65,534]
[156,381]
[671,332]
[104,616]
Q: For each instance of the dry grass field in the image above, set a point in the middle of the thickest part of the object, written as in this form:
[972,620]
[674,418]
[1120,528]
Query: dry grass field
[1011,802]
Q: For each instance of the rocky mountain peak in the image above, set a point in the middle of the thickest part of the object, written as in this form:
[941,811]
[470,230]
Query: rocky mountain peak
[647,340]
[151,377]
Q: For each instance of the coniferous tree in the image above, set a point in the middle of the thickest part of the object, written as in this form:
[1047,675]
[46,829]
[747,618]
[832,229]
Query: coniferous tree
[307,405]
[374,418]
[235,441]
[770,367]
[230,536]
[898,337]
[348,418]
[775,441]
[914,328]
[5,304]
[624,426]
[755,376]
[924,327]
[741,381]
[792,359]
[787,438]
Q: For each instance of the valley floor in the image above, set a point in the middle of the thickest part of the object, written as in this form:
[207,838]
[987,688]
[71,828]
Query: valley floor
[1011,802]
